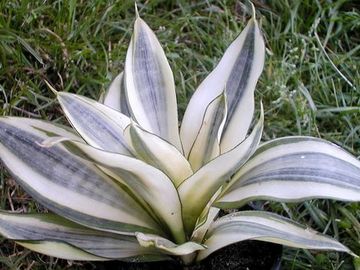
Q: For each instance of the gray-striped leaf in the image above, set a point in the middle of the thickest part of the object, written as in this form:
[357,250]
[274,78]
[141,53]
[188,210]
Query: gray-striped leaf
[258,225]
[64,183]
[150,184]
[49,227]
[167,246]
[207,143]
[196,191]
[150,87]
[99,125]
[236,74]
[295,169]
[115,97]
[159,153]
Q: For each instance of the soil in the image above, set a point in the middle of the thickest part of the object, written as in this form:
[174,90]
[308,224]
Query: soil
[247,255]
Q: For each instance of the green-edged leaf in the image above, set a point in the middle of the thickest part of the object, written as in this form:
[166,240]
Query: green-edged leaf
[295,169]
[196,191]
[49,227]
[150,184]
[99,125]
[158,153]
[166,246]
[207,143]
[150,85]
[64,183]
[267,227]
[115,97]
[236,74]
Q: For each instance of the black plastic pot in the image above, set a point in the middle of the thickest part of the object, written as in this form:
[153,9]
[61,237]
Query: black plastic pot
[246,255]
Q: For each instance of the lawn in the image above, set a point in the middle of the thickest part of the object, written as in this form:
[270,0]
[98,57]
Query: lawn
[310,84]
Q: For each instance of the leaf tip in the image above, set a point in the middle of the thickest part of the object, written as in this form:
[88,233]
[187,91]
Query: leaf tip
[51,88]
[51,141]
[261,110]
[137,16]
[253,11]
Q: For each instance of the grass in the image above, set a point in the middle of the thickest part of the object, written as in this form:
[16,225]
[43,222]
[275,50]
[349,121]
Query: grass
[310,84]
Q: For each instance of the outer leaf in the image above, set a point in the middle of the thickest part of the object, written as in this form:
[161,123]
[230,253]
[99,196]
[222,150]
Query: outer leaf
[115,97]
[196,191]
[158,153]
[59,250]
[150,184]
[64,183]
[49,227]
[267,227]
[295,169]
[150,85]
[168,247]
[238,72]
[99,125]
[207,144]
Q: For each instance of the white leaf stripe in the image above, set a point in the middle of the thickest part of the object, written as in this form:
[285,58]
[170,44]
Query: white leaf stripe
[150,85]
[159,153]
[40,227]
[99,125]
[303,167]
[207,142]
[59,250]
[294,143]
[264,226]
[65,185]
[197,190]
[296,191]
[69,252]
[48,128]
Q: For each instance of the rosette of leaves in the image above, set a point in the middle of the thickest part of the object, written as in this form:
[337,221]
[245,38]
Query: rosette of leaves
[126,184]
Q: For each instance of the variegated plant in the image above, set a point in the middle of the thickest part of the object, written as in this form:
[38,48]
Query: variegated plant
[125,184]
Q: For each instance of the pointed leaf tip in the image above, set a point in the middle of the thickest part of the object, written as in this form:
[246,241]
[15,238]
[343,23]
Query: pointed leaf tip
[136,11]
[253,10]
[51,88]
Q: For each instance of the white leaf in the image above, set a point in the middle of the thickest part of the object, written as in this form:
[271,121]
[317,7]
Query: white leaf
[49,227]
[159,153]
[295,169]
[99,125]
[236,74]
[64,183]
[150,85]
[267,227]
